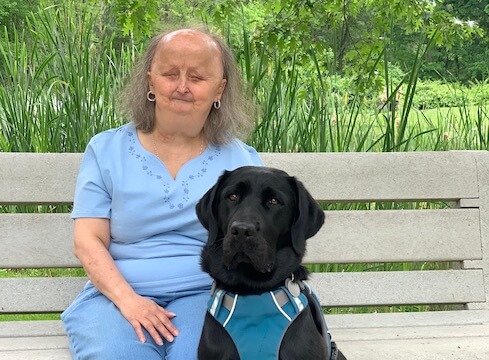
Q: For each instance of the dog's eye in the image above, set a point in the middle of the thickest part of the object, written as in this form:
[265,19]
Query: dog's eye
[233,197]
[274,201]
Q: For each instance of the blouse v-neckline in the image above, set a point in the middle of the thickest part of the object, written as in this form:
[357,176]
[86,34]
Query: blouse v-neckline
[162,164]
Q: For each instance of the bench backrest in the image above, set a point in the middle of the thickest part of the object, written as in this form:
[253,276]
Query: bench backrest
[457,234]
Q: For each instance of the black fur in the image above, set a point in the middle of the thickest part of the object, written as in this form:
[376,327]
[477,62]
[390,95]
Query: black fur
[258,220]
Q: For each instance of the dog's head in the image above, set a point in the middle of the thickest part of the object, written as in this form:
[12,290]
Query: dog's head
[258,220]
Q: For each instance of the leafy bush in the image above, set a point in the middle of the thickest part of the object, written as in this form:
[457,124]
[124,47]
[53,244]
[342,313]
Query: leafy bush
[479,93]
[437,94]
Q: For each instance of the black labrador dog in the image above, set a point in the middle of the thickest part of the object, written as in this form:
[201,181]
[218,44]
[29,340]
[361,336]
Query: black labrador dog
[258,220]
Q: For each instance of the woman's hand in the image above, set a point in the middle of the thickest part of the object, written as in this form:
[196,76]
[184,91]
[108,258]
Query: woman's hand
[92,240]
[145,313]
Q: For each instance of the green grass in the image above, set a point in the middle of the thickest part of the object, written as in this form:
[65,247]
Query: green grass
[29,317]
[44,272]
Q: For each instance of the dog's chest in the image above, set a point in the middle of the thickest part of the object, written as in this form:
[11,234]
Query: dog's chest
[256,323]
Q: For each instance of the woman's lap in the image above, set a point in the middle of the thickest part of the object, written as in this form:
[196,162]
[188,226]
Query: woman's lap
[97,330]
[190,311]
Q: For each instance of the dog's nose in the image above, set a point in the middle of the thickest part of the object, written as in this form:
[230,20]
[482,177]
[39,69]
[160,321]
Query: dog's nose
[246,229]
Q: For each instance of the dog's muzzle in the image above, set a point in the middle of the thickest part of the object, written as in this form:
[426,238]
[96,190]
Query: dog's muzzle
[244,244]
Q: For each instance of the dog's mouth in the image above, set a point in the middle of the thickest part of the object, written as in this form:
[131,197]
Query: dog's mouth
[241,258]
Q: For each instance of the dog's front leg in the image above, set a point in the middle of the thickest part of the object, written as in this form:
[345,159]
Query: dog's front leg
[302,341]
[215,343]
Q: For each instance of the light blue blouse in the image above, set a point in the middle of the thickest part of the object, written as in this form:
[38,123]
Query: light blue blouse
[156,237]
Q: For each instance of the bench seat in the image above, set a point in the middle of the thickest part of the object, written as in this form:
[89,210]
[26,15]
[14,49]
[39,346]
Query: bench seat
[453,335]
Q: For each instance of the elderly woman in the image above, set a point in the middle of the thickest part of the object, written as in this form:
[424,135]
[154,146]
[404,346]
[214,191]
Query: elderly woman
[135,228]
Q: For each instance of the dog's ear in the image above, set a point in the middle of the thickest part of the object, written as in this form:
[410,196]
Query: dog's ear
[207,208]
[309,219]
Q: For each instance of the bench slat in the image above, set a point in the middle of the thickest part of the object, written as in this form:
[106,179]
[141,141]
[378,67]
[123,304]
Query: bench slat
[34,295]
[36,240]
[39,343]
[346,237]
[422,332]
[449,347]
[396,235]
[399,287]
[363,177]
[382,176]
[50,354]
[47,354]
[30,328]
[54,180]
[408,319]
[333,289]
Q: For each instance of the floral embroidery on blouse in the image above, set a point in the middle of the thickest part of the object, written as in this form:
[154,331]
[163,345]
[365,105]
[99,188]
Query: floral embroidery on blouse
[165,185]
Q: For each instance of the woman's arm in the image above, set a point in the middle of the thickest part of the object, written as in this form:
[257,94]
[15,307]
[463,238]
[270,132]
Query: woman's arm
[92,239]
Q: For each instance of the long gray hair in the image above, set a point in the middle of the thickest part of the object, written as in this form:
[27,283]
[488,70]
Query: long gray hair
[235,117]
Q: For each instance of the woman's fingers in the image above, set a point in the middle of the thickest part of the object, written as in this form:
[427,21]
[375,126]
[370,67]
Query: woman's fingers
[139,330]
[164,321]
[145,313]
[155,328]
[159,326]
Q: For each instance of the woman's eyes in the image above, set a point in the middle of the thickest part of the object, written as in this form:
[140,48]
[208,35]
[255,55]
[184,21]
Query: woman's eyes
[173,76]
[170,75]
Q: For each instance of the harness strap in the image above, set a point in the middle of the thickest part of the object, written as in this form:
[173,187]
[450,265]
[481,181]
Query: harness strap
[281,298]
[284,300]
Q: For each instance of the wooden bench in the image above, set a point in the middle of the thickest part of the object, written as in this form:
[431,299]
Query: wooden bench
[458,234]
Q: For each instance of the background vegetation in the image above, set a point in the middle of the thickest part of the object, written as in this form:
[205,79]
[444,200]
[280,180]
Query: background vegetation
[357,75]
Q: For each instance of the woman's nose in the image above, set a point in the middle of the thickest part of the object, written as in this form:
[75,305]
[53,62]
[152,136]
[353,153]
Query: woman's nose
[182,85]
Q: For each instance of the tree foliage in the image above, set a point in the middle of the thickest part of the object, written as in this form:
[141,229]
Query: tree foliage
[141,19]
[349,36]
[466,60]
[345,37]
[13,12]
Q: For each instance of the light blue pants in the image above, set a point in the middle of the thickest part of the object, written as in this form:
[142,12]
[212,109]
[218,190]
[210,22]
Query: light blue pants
[97,330]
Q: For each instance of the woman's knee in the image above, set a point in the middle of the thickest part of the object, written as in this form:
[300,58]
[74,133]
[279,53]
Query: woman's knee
[97,330]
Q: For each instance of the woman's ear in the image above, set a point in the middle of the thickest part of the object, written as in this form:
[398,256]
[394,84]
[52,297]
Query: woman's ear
[150,82]
[221,88]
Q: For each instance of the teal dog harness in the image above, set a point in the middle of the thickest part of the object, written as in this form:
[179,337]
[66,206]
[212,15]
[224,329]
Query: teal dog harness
[258,323]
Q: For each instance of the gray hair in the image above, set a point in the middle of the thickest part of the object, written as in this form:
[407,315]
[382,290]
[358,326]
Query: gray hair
[235,117]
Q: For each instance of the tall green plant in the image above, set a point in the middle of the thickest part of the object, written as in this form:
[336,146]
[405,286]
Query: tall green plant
[60,82]
[398,135]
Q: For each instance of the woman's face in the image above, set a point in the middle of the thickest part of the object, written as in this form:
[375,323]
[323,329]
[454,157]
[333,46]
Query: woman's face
[186,78]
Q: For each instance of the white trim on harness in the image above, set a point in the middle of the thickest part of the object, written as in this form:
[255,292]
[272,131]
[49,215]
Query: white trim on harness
[279,308]
[215,303]
[299,303]
[231,312]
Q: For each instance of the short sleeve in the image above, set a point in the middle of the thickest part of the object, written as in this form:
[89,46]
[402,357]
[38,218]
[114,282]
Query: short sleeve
[255,158]
[92,197]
